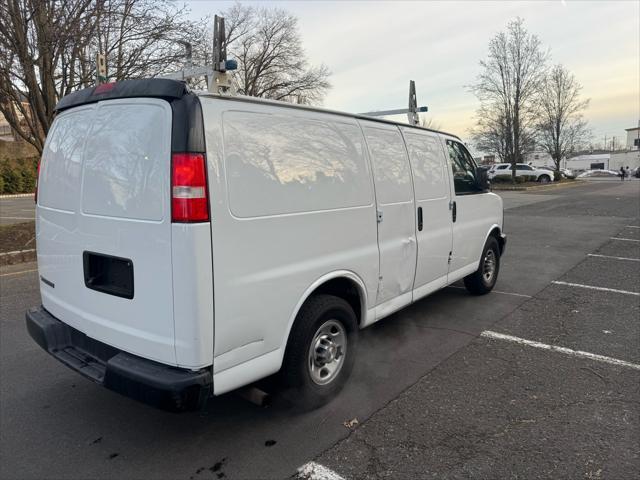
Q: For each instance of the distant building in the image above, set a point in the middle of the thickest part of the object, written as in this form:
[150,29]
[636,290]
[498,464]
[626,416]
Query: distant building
[629,159]
[593,161]
[633,138]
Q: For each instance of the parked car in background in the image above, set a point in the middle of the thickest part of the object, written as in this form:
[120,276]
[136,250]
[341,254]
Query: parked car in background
[565,172]
[522,170]
[599,174]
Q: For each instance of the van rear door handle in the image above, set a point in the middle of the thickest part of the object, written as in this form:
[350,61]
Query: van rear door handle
[419,219]
[454,211]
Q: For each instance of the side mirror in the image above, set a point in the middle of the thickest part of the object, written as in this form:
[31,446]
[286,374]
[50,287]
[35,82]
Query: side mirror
[482,179]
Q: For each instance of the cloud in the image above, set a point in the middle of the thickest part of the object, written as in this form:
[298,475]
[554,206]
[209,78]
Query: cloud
[375,48]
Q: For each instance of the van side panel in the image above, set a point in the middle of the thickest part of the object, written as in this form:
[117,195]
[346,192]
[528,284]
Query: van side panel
[291,201]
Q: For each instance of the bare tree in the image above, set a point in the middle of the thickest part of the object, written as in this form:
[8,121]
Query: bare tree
[41,44]
[271,60]
[561,126]
[48,47]
[490,133]
[507,87]
[429,122]
[144,38]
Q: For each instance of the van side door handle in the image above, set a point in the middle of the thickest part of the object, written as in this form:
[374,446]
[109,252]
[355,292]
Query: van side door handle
[454,211]
[419,219]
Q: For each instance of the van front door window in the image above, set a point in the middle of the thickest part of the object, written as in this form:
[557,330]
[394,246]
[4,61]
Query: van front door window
[463,168]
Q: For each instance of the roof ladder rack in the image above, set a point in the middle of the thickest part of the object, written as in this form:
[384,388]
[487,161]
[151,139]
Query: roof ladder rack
[217,76]
[412,112]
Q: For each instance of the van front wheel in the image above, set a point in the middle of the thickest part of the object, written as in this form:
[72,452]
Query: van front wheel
[483,280]
[320,352]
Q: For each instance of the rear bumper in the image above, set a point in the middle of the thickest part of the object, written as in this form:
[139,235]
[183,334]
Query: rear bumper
[153,383]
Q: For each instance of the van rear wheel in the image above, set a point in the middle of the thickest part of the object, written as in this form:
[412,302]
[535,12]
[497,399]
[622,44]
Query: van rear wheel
[483,280]
[320,352]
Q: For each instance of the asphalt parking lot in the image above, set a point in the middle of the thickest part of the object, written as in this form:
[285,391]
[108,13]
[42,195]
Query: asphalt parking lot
[536,380]
[16,209]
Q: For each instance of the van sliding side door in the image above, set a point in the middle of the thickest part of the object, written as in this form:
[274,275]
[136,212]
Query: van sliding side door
[395,206]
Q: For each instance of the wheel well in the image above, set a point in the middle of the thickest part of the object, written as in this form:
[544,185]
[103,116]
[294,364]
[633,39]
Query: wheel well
[343,288]
[496,234]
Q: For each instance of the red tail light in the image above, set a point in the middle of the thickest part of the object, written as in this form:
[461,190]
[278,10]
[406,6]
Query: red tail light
[35,195]
[189,193]
[103,88]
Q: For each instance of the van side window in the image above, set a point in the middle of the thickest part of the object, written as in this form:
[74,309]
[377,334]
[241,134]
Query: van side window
[278,164]
[390,165]
[463,168]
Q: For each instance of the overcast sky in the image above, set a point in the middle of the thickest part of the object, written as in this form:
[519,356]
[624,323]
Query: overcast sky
[374,48]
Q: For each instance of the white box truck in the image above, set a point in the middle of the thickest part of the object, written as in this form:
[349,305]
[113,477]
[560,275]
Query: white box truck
[191,244]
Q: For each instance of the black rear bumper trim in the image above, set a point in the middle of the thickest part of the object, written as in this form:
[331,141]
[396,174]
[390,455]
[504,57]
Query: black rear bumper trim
[153,383]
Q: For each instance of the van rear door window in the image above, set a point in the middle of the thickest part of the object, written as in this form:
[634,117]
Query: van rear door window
[279,164]
[62,160]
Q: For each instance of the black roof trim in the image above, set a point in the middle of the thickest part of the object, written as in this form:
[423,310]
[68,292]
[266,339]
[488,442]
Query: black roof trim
[149,87]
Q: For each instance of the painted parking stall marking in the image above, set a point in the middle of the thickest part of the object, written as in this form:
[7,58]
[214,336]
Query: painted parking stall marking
[613,258]
[556,348]
[315,471]
[592,287]
[625,239]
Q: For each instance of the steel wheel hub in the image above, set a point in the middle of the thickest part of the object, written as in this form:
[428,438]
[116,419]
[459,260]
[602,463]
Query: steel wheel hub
[489,266]
[327,352]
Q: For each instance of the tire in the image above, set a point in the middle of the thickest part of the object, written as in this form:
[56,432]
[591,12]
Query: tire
[544,178]
[478,283]
[303,387]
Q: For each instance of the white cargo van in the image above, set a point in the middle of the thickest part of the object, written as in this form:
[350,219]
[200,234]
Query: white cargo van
[192,244]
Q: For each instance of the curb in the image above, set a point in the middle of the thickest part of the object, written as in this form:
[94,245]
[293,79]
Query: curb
[539,187]
[19,256]
[17,195]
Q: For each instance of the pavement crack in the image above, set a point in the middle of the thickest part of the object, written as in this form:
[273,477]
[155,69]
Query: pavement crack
[590,370]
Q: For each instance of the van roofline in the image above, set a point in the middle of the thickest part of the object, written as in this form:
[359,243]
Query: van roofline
[175,89]
[280,103]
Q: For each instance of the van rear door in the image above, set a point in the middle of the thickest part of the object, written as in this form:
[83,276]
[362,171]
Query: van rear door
[104,224]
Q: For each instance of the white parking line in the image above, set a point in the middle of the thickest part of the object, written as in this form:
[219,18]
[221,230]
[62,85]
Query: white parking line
[625,239]
[631,226]
[315,471]
[591,287]
[496,291]
[555,348]
[18,251]
[613,258]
